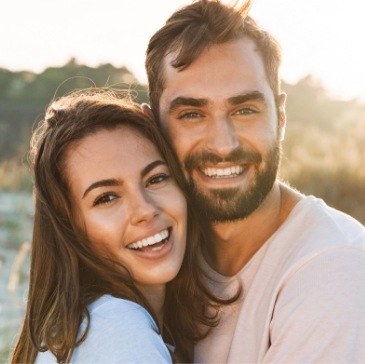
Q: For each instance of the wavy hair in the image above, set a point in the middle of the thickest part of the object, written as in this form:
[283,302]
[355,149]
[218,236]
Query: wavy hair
[66,273]
[195,27]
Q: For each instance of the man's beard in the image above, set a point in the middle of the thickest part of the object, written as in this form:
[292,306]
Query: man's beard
[228,204]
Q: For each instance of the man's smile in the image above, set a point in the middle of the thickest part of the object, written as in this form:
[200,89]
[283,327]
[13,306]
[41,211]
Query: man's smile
[221,172]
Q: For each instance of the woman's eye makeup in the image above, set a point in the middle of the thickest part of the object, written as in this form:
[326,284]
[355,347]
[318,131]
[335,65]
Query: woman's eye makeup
[157,178]
[105,198]
[154,178]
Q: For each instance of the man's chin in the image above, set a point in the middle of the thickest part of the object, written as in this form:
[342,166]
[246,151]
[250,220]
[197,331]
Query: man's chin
[224,205]
[232,202]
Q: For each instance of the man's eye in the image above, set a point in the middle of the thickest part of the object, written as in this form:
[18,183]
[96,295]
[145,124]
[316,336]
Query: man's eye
[159,178]
[189,115]
[245,111]
[105,198]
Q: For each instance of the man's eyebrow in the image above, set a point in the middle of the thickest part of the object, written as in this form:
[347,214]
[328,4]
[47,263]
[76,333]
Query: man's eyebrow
[186,101]
[251,96]
[117,182]
[102,183]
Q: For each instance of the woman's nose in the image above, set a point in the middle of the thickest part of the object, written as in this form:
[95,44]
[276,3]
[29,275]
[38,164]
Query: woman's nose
[143,209]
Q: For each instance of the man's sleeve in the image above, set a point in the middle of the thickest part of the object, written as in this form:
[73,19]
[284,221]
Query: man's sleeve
[319,316]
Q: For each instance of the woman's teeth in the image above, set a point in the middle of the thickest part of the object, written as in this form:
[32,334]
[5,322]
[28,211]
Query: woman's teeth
[223,172]
[151,240]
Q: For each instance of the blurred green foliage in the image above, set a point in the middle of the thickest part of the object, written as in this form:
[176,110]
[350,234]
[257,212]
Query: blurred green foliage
[24,96]
[324,148]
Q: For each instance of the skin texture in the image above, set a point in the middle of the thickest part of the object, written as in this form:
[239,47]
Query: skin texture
[122,192]
[221,124]
[220,104]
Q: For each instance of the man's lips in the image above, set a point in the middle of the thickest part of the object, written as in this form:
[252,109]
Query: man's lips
[223,175]
[211,165]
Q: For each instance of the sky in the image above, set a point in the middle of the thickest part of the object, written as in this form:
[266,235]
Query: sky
[324,38]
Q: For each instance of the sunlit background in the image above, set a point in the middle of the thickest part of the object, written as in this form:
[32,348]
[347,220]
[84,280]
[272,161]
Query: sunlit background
[320,37]
[45,42]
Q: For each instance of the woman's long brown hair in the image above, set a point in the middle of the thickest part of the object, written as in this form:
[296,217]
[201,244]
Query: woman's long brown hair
[66,273]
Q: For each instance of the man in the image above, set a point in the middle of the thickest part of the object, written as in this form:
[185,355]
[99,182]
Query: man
[215,88]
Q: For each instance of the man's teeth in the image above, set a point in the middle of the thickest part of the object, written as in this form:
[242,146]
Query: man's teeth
[223,172]
[151,240]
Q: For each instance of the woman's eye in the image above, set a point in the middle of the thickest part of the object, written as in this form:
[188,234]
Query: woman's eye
[157,179]
[104,199]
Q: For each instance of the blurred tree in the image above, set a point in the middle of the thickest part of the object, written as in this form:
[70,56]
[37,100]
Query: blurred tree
[324,148]
[24,95]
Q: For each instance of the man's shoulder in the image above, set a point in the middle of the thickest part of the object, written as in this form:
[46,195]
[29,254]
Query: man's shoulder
[311,229]
[313,219]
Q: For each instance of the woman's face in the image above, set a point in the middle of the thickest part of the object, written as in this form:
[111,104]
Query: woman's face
[128,203]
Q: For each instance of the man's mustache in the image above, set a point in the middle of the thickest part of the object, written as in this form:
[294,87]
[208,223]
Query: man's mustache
[236,156]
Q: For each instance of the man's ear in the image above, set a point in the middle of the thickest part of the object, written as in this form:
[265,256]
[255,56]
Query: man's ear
[146,109]
[281,105]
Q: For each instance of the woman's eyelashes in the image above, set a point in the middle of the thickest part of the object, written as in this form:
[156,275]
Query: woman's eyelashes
[105,198]
[157,179]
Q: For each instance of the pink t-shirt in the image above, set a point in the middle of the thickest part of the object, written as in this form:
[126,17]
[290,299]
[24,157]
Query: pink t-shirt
[303,295]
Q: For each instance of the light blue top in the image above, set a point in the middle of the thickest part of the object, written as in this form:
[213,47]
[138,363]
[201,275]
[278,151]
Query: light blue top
[120,331]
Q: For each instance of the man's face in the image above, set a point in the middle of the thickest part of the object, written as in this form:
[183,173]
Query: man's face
[221,116]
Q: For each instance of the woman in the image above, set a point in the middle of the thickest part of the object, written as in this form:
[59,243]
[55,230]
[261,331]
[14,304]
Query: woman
[109,278]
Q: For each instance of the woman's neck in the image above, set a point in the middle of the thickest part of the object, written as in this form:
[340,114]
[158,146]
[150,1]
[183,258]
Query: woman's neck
[155,295]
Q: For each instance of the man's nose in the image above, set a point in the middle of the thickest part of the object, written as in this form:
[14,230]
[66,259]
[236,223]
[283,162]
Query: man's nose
[143,208]
[221,138]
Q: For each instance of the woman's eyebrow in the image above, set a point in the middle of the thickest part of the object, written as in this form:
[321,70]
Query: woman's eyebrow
[117,182]
[151,166]
[102,183]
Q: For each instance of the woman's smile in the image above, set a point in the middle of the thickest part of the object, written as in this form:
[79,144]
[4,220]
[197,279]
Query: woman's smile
[128,204]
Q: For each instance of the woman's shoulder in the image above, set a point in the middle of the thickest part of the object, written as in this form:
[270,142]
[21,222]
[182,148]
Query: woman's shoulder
[121,331]
[121,311]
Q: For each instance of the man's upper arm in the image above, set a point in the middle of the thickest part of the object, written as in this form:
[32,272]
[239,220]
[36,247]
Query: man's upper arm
[319,315]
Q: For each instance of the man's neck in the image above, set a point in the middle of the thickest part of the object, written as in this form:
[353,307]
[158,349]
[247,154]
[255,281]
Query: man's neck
[235,242]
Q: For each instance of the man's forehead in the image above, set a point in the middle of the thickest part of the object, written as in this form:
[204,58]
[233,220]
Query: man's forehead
[175,53]
[219,73]
[239,56]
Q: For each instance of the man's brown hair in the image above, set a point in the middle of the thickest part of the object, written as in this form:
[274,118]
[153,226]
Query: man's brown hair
[195,27]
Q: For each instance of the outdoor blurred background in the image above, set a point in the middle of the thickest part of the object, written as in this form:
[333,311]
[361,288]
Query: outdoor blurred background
[48,49]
